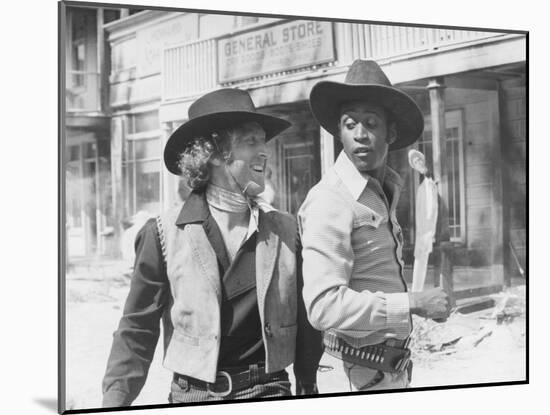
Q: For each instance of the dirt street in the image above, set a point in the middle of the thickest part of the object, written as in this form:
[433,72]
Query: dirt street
[484,352]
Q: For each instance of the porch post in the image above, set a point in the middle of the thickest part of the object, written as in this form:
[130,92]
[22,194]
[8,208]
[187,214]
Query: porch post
[497,216]
[436,89]
[168,185]
[117,133]
[443,270]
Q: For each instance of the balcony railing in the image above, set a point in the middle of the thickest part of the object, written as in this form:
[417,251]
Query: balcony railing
[191,68]
[83,91]
[387,42]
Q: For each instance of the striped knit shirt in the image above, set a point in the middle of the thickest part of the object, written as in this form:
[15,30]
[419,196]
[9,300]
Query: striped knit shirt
[352,264]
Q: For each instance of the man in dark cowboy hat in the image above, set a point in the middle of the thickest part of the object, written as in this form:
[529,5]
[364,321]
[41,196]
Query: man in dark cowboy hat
[222,272]
[353,270]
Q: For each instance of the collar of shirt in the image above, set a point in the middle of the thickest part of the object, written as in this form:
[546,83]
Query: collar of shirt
[196,210]
[355,181]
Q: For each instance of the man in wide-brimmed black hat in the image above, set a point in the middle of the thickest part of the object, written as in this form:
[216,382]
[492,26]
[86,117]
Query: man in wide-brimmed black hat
[353,269]
[222,272]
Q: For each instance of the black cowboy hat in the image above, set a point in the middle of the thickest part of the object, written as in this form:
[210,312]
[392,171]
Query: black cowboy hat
[365,80]
[217,110]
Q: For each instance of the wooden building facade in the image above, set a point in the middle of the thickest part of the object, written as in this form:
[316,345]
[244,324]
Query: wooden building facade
[470,85]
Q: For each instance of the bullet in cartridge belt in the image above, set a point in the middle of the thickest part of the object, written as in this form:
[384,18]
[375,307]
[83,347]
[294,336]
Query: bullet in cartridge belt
[391,356]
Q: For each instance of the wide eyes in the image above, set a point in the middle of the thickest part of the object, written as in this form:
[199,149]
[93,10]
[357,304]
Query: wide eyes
[369,122]
[350,124]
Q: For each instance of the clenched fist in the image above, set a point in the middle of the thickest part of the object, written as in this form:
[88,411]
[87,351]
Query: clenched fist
[433,303]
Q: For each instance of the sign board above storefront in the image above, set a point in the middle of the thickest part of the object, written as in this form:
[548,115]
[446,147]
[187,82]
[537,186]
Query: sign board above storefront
[276,48]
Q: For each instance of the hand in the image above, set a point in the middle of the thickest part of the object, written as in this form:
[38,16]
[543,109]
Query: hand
[306,389]
[433,303]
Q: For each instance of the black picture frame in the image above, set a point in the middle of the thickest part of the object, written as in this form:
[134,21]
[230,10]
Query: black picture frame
[64,156]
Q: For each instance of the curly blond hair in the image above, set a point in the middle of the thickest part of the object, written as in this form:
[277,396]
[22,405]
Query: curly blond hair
[193,160]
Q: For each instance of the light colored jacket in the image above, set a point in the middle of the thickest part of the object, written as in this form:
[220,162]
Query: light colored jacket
[193,338]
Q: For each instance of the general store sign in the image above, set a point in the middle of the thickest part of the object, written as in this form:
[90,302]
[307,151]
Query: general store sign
[273,49]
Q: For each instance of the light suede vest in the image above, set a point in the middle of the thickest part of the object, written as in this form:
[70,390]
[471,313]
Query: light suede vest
[192,328]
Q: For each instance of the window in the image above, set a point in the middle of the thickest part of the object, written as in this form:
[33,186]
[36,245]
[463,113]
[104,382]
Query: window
[143,122]
[78,64]
[82,75]
[74,188]
[88,192]
[81,20]
[455,170]
[142,164]
[141,169]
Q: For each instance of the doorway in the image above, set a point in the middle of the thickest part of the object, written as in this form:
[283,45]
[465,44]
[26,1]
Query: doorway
[86,181]
[294,156]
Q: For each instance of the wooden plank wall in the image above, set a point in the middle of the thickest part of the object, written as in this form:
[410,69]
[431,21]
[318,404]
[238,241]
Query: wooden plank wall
[479,160]
[514,119]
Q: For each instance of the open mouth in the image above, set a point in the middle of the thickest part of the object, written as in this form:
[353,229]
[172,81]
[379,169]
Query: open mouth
[258,165]
[362,151]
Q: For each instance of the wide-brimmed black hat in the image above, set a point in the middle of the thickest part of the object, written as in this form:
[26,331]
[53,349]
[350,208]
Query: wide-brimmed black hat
[366,81]
[214,111]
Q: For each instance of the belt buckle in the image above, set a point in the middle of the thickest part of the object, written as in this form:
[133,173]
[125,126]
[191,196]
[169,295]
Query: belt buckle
[224,393]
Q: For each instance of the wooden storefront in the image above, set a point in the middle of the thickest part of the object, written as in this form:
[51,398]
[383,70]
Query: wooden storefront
[470,86]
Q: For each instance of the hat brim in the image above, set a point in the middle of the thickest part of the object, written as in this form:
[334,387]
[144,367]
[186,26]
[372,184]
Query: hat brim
[326,98]
[206,124]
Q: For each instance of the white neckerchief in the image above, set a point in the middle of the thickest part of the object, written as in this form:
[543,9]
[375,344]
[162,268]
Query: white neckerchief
[226,200]
[229,201]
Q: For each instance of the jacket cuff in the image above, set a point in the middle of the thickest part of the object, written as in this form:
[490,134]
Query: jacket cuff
[398,313]
[305,377]
[306,388]
[115,398]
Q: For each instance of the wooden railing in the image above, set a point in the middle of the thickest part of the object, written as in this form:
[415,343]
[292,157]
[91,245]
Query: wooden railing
[189,69]
[387,42]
